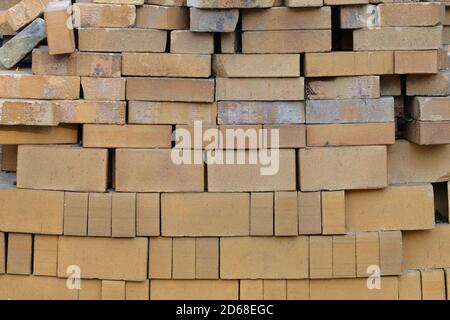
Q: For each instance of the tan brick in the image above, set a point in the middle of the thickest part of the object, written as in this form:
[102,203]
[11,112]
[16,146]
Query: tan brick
[428,133]
[182,214]
[24,12]
[409,285]
[194,290]
[248,177]
[136,2]
[297,289]
[130,136]
[397,38]
[290,136]
[104,258]
[31,211]
[429,108]
[256,65]
[407,62]
[20,253]
[163,18]
[261,214]
[103,88]
[75,213]
[251,289]
[343,168]
[309,212]
[168,89]
[24,85]
[160,258]
[286,214]
[303,3]
[426,249]
[352,289]
[153,171]
[433,284]
[60,35]
[261,89]
[166,65]
[45,255]
[9,157]
[85,111]
[274,290]
[113,290]
[6,4]
[223,4]
[367,252]
[123,215]
[390,208]
[99,214]
[348,63]
[137,290]
[350,134]
[85,64]
[207,258]
[290,41]
[147,214]
[62,168]
[38,288]
[118,40]
[282,18]
[344,88]
[5,28]
[184,41]
[264,257]
[88,15]
[390,252]
[183,258]
[333,212]
[344,256]
[145,112]
[229,42]
[38,135]
[425,163]
[320,257]
[410,14]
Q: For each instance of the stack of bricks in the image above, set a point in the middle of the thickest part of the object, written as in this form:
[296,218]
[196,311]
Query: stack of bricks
[93,205]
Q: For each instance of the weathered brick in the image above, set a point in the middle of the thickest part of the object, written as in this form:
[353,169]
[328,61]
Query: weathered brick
[250,112]
[170,89]
[256,65]
[89,15]
[350,110]
[184,41]
[24,12]
[213,20]
[216,4]
[163,18]
[288,41]
[166,65]
[145,112]
[282,18]
[118,40]
[60,35]
[260,89]
[424,61]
